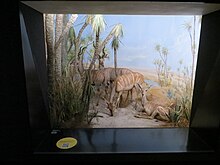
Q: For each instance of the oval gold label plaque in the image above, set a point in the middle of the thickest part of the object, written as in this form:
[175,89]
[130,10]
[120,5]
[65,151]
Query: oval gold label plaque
[66,143]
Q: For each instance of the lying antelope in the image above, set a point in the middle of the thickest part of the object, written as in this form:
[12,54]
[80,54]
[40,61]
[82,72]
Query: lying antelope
[158,108]
[123,83]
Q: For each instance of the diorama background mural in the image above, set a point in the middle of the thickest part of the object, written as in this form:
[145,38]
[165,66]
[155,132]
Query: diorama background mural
[116,71]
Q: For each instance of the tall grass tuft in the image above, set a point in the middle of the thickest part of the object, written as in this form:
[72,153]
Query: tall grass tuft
[180,114]
[69,101]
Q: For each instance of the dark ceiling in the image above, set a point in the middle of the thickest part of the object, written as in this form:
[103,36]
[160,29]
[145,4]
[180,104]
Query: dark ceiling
[123,7]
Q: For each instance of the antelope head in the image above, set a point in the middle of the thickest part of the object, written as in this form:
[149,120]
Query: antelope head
[144,101]
[110,106]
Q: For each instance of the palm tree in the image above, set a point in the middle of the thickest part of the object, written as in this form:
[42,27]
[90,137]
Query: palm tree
[115,46]
[115,42]
[115,32]
[98,25]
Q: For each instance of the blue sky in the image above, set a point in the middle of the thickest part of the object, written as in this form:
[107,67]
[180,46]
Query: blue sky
[142,33]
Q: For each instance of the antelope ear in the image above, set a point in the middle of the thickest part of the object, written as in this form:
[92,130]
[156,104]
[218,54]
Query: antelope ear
[147,87]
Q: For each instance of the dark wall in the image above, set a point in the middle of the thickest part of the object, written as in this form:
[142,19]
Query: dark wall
[205,118]
[206,111]
[14,119]
[35,66]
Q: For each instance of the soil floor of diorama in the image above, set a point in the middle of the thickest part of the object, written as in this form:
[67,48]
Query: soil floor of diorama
[122,118]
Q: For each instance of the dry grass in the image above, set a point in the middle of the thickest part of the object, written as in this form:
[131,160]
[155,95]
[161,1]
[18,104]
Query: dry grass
[69,101]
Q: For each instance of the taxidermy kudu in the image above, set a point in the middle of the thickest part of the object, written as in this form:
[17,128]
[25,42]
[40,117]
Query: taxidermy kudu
[158,107]
[123,83]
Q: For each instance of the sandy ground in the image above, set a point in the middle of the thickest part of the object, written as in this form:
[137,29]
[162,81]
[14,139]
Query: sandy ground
[123,118]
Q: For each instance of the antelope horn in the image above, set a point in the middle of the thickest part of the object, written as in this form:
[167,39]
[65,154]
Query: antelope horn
[105,100]
[139,85]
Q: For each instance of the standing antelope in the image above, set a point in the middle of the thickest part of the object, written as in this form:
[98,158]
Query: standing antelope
[110,74]
[97,77]
[123,83]
[105,76]
[98,81]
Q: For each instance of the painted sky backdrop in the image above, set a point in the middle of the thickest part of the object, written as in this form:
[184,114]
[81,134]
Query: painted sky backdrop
[142,33]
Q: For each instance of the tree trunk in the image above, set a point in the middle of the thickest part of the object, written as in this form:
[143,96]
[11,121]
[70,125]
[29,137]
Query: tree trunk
[81,31]
[82,52]
[49,23]
[97,51]
[79,54]
[58,32]
[115,61]
[81,67]
[110,35]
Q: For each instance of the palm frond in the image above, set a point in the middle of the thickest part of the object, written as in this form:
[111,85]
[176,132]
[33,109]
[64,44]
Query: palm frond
[98,23]
[115,43]
[118,30]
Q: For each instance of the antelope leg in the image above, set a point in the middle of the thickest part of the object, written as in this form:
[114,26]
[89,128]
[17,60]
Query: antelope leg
[143,115]
[160,113]
[118,99]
